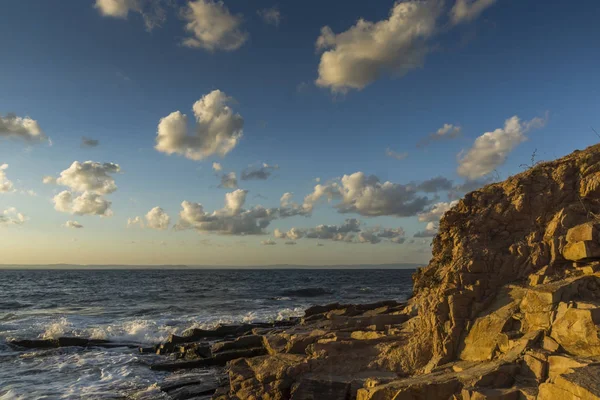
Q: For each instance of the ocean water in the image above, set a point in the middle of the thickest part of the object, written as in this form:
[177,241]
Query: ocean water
[143,307]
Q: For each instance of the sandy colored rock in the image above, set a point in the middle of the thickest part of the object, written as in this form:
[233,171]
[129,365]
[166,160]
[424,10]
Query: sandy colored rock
[584,250]
[577,333]
[585,232]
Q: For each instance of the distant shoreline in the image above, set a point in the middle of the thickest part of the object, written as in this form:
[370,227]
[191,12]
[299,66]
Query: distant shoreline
[96,267]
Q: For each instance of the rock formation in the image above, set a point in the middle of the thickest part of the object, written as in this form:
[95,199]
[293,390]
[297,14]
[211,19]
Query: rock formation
[508,308]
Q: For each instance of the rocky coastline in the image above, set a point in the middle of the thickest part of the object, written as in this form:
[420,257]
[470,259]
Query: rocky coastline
[508,308]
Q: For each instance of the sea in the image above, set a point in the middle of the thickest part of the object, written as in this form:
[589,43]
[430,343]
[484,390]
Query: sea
[142,307]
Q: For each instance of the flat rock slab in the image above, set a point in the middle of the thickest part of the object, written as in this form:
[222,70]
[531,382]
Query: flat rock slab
[218,360]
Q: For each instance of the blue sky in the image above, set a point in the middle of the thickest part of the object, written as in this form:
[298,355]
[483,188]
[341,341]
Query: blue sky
[81,69]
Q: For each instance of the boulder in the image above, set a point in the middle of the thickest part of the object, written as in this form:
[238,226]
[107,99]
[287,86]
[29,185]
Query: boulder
[576,331]
[589,231]
[584,250]
[241,343]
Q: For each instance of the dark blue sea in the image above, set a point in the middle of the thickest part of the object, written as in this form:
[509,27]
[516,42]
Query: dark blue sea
[143,307]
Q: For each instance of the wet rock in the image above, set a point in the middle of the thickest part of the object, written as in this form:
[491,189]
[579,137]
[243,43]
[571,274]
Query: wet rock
[244,342]
[219,359]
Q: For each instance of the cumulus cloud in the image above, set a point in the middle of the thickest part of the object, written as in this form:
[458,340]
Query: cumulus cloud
[217,167]
[446,132]
[271,16]
[435,213]
[158,219]
[350,231]
[49,180]
[288,208]
[73,224]
[212,26]
[11,216]
[24,128]
[229,181]
[430,231]
[90,176]
[491,149]
[366,195]
[6,185]
[135,221]
[218,129]
[435,185]
[258,173]
[87,142]
[232,219]
[269,242]
[87,203]
[152,11]
[357,57]
[468,10]
[398,156]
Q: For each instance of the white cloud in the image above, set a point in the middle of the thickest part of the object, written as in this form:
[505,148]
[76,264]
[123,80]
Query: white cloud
[271,15]
[229,181]
[430,231]
[355,58]
[366,195]
[73,224]
[435,213]
[152,11]
[269,242]
[468,10]
[448,131]
[135,221]
[349,232]
[24,128]
[11,216]
[157,218]
[491,149]
[398,156]
[218,130]
[212,26]
[49,180]
[232,219]
[87,203]
[258,173]
[6,185]
[289,208]
[217,167]
[90,176]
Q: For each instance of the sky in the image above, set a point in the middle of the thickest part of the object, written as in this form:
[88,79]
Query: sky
[257,133]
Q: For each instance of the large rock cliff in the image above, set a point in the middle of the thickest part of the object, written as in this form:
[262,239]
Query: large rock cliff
[508,308]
